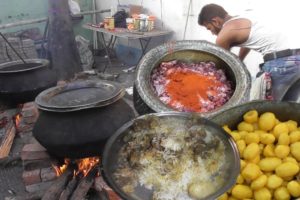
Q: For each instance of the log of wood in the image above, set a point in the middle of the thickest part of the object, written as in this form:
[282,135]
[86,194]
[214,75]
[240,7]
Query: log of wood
[7,140]
[101,192]
[84,185]
[66,194]
[58,186]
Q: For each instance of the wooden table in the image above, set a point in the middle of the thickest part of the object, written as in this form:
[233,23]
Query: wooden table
[143,37]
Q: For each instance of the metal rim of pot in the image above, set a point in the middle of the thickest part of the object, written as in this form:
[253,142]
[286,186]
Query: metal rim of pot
[146,65]
[284,110]
[97,105]
[42,63]
[115,139]
[115,90]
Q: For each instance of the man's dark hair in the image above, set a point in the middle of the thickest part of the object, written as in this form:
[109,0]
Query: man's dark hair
[210,11]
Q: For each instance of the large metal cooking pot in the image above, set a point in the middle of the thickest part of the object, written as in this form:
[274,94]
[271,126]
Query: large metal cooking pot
[146,100]
[282,109]
[76,119]
[111,154]
[22,82]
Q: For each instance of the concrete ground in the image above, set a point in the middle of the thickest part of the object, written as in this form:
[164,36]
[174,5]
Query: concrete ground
[118,72]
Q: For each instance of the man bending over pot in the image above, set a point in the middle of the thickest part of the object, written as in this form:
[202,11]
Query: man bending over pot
[247,32]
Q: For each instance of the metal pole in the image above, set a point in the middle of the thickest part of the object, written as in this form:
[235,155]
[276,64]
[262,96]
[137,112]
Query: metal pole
[95,38]
[23,23]
[33,21]
[92,12]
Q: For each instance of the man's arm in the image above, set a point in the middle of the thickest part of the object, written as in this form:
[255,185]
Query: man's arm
[223,40]
[243,53]
[234,33]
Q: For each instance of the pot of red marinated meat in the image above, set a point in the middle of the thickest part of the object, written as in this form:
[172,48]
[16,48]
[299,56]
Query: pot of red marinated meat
[190,76]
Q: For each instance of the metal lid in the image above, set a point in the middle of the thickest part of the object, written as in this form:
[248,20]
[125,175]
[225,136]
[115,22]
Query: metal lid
[79,95]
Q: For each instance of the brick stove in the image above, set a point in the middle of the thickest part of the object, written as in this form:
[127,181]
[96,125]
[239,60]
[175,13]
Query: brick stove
[39,174]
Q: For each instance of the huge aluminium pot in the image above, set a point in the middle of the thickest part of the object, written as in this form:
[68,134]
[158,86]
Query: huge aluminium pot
[76,119]
[145,99]
[22,82]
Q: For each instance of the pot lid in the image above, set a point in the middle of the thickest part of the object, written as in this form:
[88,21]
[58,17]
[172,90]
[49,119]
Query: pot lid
[79,95]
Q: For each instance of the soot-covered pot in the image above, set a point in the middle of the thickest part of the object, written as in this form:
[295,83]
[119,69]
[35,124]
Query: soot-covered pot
[145,98]
[76,120]
[22,82]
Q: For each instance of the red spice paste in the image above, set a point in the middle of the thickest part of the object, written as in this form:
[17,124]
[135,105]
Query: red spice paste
[191,87]
[188,88]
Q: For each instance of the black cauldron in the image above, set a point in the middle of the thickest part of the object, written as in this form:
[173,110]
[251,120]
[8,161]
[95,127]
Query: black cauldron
[22,82]
[77,119]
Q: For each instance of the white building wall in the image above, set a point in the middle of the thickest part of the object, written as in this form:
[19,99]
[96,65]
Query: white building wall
[172,14]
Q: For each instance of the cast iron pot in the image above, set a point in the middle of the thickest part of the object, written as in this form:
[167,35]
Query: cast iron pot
[80,133]
[282,109]
[20,82]
[146,101]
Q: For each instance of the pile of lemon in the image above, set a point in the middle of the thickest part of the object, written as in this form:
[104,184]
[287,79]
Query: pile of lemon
[270,158]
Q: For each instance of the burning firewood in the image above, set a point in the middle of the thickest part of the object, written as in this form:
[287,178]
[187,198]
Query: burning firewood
[65,195]
[84,185]
[58,186]
[100,189]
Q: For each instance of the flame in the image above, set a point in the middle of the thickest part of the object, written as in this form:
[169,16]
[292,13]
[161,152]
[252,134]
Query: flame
[18,119]
[61,169]
[83,166]
[86,164]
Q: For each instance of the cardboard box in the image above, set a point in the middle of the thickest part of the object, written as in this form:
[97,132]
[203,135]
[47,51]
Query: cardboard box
[135,9]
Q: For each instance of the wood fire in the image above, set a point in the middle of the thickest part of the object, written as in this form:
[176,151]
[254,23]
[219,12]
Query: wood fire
[17,119]
[75,178]
[86,164]
[83,166]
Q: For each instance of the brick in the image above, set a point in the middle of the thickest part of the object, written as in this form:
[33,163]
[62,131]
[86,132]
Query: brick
[31,177]
[29,105]
[34,155]
[33,140]
[34,152]
[48,174]
[38,186]
[33,147]
[24,134]
[24,128]
[29,120]
[29,111]
[37,164]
